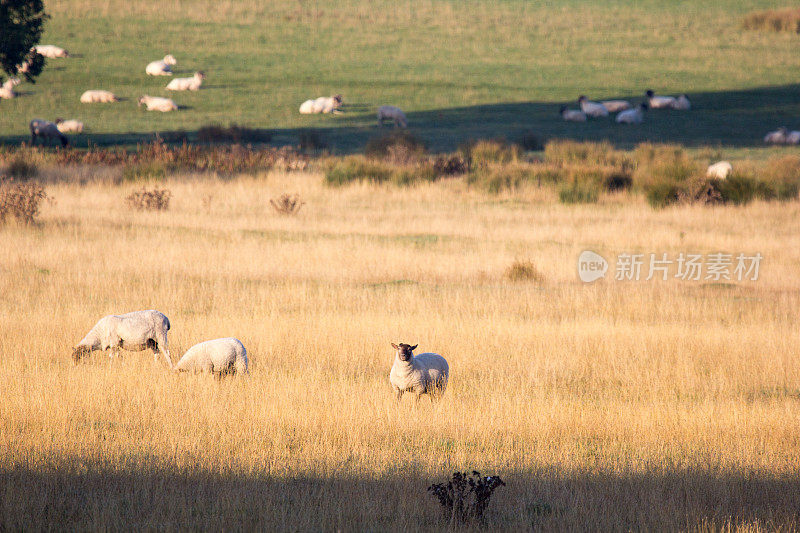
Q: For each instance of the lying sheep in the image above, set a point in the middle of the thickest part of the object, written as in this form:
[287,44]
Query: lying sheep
[323,104]
[395,114]
[572,115]
[615,106]
[218,357]
[187,84]
[659,102]
[97,96]
[69,126]
[45,130]
[720,170]
[592,109]
[132,331]
[776,137]
[158,103]
[793,137]
[682,103]
[162,67]
[632,116]
[7,89]
[425,373]
[50,51]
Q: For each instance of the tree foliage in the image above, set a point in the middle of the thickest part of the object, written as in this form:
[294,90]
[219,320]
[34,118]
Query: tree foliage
[21,27]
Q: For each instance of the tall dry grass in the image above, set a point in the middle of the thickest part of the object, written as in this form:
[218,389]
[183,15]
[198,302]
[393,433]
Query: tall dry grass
[617,405]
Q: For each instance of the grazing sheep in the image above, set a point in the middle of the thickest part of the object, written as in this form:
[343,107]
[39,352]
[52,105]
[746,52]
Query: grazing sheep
[793,137]
[134,331]
[615,106]
[572,115]
[7,89]
[97,96]
[162,67]
[682,103]
[323,104]
[158,103]
[218,357]
[45,130]
[425,373]
[659,102]
[720,170]
[50,51]
[69,126]
[395,114]
[776,137]
[592,109]
[187,84]
[632,116]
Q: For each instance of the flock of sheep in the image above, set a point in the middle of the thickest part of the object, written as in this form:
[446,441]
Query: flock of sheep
[627,114]
[425,373]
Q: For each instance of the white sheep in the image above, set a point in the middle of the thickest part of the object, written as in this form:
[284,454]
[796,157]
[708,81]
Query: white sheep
[45,130]
[592,109]
[682,103]
[793,137]
[615,106]
[323,104]
[218,357]
[97,96]
[134,331]
[69,126]
[776,137]
[720,170]
[7,89]
[162,67]
[395,114]
[50,51]
[632,116]
[425,373]
[158,103]
[659,102]
[187,84]
[572,115]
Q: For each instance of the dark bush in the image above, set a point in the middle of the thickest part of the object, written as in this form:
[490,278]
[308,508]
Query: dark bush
[617,181]
[214,133]
[524,271]
[20,200]
[21,170]
[399,147]
[450,165]
[532,142]
[465,498]
[287,204]
[149,200]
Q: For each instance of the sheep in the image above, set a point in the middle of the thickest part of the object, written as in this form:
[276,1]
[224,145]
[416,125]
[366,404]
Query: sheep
[776,137]
[45,130]
[218,357]
[572,115]
[720,170]
[614,106]
[793,137]
[134,331]
[425,373]
[97,96]
[7,89]
[592,109]
[158,103]
[162,67]
[395,114]
[50,51]
[187,84]
[323,104]
[682,103]
[659,102]
[69,126]
[632,116]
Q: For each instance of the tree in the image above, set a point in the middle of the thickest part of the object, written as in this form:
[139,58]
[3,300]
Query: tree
[21,26]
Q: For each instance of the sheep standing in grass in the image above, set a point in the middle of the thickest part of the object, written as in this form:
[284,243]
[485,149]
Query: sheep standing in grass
[776,137]
[45,130]
[162,67]
[719,171]
[158,103]
[659,102]
[98,96]
[615,106]
[7,89]
[218,357]
[592,109]
[69,126]
[395,114]
[632,116]
[134,331]
[425,373]
[572,115]
[323,104]
[187,84]
[50,51]
[682,103]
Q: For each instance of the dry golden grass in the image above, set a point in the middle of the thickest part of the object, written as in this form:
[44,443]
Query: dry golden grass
[612,406]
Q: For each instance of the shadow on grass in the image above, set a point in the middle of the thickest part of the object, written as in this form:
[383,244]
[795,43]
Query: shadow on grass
[78,495]
[734,119]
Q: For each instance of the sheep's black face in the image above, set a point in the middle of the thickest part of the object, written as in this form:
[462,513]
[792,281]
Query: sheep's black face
[79,352]
[404,351]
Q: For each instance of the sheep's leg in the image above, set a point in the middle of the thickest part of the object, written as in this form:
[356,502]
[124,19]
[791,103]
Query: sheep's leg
[398,394]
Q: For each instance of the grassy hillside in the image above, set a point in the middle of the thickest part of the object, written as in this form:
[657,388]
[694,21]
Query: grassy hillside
[460,69]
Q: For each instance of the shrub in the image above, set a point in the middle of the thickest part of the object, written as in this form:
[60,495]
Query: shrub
[400,147]
[415,173]
[144,171]
[482,154]
[450,165]
[19,169]
[531,141]
[740,189]
[149,200]
[562,152]
[356,168]
[783,176]
[787,19]
[524,271]
[287,204]
[660,195]
[497,178]
[617,181]
[464,498]
[578,193]
[214,133]
[311,141]
[20,200]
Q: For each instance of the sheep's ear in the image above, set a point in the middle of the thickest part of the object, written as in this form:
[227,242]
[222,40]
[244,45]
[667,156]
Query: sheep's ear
[414,347]
[395,346]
